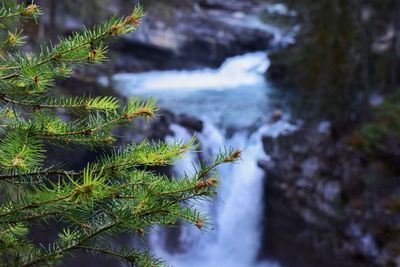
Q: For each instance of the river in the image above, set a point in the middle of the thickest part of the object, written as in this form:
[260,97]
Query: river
[235,103]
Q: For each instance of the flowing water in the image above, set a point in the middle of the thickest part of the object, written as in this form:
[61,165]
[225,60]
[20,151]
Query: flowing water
[235,103]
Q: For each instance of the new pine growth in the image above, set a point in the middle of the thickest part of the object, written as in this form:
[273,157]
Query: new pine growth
[110,196]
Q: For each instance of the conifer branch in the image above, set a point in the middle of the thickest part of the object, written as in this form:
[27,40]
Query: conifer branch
[35,205]
[76,104]
[10,10]
[78,43]
[111,195]
[14,39]
[132,257]
[34,217]
[40,172]
[52,255]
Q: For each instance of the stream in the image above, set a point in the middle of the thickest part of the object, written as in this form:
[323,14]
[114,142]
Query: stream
[235,102]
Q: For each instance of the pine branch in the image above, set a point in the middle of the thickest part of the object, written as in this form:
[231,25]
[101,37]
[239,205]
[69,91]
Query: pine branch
[20,150]
[54,255]
[35,217]
[109,196]
[145,153]
[35,205]
[14,39]
[132,257]
[77,46]
[76,104]
[95,130]
[36,173]
[12,10]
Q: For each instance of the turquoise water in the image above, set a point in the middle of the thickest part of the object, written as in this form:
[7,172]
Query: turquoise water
[235,97]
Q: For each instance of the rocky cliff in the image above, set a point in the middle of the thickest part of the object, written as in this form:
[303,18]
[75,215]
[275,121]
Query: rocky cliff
[203,35]
[327,203]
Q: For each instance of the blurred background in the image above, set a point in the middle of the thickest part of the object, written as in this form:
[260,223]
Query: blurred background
[308,89]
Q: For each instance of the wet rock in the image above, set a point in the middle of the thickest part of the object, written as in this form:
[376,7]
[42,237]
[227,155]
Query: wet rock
[317,188]
[193,38]
[193,34]
[299,149]
[221,4]
[268,144]
[310,167]
[266,165]
[190,122]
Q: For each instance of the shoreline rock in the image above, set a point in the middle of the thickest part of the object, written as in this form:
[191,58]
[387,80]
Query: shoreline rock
[202,37]
[322,195]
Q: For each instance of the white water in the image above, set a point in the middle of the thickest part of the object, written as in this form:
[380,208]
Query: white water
[235,98]
[236,95]
[233,73]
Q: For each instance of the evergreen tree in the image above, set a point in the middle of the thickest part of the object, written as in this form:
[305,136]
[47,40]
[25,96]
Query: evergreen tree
[113,195]
[344,50]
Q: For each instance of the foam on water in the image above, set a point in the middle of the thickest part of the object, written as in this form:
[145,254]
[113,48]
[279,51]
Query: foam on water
[234,103]
[237,71]
[235,238]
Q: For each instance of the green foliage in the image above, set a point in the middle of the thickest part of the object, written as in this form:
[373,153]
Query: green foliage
[342,52]
[115,194]
[11,12]
[384,127]
[19,151]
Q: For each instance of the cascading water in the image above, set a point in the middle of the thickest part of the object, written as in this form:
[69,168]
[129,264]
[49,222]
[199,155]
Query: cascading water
[234,101]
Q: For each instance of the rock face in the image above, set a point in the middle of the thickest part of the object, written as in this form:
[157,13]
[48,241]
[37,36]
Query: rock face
[191,123]
[203,36]
[327,204]
[177,34]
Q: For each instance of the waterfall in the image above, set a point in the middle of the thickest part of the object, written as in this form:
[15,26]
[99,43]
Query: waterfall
[234,103]
[236,214]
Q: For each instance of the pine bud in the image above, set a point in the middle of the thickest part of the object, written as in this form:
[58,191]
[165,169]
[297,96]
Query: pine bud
[207,183]
[234,156]
[17,162]
[132,20]
[141,112]
[199,223]
[36,79]
[11,39]
[30,10]
[140,232]
[212,181]
[200,185]
[57,56]
[109,140]
[92,55]
[115,29]
[9,114]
